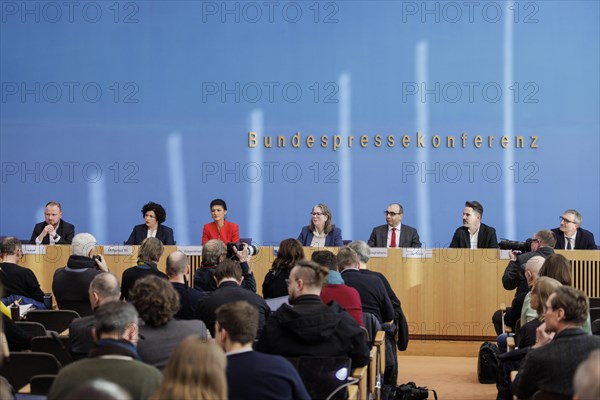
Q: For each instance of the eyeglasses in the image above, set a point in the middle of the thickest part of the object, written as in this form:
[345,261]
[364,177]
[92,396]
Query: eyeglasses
[534,240]
[391,213]
[317,214]
[566,221]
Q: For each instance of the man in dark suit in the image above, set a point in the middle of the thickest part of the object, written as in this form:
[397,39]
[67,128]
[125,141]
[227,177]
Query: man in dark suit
[551,364]
[474,234]
[228,275]
[16,280]
[570,236]
[394,233]
[53,230]
[178,271]
[373,295]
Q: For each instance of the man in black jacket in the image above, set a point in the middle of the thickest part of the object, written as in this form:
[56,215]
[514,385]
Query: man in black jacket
[474,234]
[570,235]
[17,280]
[53,230]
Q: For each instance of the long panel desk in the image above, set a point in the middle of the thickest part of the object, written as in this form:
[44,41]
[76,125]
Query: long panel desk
[451,294]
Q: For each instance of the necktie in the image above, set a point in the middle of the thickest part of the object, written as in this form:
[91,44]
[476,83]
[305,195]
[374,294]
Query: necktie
[393,240]
[568,239]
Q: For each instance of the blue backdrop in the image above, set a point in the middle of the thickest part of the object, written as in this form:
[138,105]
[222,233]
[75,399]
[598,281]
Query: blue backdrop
[108,105]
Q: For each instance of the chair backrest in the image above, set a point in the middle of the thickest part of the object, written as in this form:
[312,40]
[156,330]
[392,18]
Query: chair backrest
[21,366]
[594,302]
[372,326]
[53,320]
[56,345]
[83,308]
[594,313]
[32,328]
[323,375]
[41,384]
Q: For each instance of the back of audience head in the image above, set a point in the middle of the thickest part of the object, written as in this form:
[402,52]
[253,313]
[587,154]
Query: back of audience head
[362,249]
[156,300]
[312,275]
[99,389]
[177,264]
[546,237]
[239,319]
[104,288]
[83,244]
[151,249]
[347,259]
[116,318]
[228,269]
[290,250]
[586,382]
[325,258]
[557,267]
[542,289]
[10,246]
[213,252]
[532,267]
[573,302]
[196,370]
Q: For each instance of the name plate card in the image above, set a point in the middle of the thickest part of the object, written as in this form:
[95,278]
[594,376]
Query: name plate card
[190,250]
[379,252]
[417,253]
[34,249]
[118,250]
[505,254]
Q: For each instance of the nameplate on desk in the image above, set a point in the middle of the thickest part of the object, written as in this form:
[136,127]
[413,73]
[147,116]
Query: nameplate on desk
[275,250]
[33,249]
[190,250]
[416,253]
[505,254]
[118,250]
[379,252]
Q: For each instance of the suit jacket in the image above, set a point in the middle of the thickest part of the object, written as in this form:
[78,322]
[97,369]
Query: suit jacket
[230,232]
[333,238]
[486,239]
[584,240]
[140,232]
[409,237]
[373,295]
[65,230]
[81,339]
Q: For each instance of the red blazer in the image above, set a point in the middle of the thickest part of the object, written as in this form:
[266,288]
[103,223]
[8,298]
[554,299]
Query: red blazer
[230,233]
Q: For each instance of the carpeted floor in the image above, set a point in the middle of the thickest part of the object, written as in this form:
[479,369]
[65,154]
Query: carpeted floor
[453,378]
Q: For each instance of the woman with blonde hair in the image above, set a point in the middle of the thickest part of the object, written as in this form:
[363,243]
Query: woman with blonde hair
[196,370]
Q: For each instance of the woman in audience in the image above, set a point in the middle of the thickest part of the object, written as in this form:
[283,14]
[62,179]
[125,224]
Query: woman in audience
[196,371]
[274,285]
[154,215]
[157,301]
[220,228]
[557,267]
[321,232]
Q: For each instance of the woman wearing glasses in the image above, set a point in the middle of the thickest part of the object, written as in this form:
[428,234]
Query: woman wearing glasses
[321,232]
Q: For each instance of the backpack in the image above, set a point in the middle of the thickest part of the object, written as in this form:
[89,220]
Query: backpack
[487,363]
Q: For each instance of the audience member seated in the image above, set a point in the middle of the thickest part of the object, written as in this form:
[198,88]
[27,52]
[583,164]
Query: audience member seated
[104,288]
[290,251]
[16,338]
[100,389]
[220,228]
[53,230]
[560,347]
[372,293]
[157,302]
[586,381]
[321,232]
[149,255]
[178,271]
[542,244]
[114,357]
[154,215]
[570,235]
[474,234]
[394,233]
[18,282]
[196,370]
[213,253]
[334,288]
[307,327]
[250,374]
[229,279]
[70,284]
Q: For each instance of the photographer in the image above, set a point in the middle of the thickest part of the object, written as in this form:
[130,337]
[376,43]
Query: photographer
[70,284]
[542,244]
[213,253]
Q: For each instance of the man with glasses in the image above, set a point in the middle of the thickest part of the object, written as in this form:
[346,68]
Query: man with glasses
[560,347]
[542,244]
[394,233]
[570,236]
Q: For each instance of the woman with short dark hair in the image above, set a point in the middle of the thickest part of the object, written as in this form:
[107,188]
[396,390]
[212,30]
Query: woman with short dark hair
[154,215]
[220,228]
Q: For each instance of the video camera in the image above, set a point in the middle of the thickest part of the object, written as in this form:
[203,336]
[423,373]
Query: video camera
[239,246]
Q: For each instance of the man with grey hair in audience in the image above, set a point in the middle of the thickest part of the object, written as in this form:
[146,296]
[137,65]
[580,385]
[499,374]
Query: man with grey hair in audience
[114,357]
[178,271]
[570,235]
[71,283]
[18,282]
[104,288]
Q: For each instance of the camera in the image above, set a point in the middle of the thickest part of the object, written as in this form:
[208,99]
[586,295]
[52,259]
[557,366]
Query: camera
[410,391]
[239,246]
[97,257]
[523,247]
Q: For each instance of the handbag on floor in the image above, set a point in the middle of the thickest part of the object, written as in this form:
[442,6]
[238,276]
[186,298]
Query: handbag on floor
[487,363]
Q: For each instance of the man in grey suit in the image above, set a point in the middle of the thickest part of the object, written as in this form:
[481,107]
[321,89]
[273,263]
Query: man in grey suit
[394,233]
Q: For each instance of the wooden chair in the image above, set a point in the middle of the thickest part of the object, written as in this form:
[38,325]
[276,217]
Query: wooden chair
[53,320]
[373,375]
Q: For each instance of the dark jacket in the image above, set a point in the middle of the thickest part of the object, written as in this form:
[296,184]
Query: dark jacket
[188,298]
[130,275]
[514,273]
[486,238]
[71,283]
[373,295]
[333,238]
[65,230]
[274,284]
[203,278]
[140,232]
[584,240]
[20,281]
[311,328]
[409,237]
